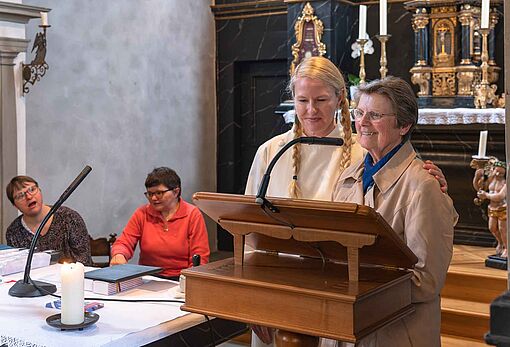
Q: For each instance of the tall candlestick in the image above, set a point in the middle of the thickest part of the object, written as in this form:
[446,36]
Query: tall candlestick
[383,61]
[362,34]
[485,14]
[383,17]
[482,145]
[72,280]
[44,18]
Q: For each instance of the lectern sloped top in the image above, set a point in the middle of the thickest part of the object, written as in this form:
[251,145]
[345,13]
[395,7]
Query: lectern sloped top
[310,228]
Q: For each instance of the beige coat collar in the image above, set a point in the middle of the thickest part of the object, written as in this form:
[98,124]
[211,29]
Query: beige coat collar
[391,172]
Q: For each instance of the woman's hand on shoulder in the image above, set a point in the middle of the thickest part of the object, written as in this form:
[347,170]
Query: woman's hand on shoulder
[435,171]
[118,259]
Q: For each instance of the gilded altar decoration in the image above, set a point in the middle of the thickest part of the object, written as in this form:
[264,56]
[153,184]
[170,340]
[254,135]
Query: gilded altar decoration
[448,51]
[308,29]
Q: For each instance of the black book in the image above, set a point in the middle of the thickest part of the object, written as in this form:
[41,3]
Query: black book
[119,273]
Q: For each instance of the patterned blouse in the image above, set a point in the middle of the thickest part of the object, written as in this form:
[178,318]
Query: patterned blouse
[67,234]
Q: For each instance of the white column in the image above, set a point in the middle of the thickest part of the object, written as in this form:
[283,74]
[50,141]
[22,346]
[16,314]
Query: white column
[9,50]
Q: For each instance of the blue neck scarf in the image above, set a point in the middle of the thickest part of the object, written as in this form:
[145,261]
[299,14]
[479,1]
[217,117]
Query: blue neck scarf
[371,169]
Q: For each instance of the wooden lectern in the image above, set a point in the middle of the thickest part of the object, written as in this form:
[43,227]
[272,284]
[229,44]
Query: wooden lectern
[334,270]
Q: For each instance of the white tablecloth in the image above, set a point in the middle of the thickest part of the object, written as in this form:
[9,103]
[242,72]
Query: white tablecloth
[23,320]
[446,116]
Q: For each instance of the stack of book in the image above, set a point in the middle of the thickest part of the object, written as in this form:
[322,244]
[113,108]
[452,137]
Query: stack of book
[118,278]
[13,260]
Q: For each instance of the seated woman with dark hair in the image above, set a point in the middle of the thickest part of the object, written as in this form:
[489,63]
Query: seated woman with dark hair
[65,231]
[170,230]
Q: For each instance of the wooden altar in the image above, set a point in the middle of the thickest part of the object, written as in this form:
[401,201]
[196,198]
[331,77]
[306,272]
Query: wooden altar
[318,268]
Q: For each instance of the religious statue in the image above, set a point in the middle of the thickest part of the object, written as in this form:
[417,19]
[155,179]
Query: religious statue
[490,183]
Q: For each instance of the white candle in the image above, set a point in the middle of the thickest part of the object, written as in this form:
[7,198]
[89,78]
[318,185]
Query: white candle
[482,145]
[383,16]
[72,280]
[362,22]
[485,14]
[44,18]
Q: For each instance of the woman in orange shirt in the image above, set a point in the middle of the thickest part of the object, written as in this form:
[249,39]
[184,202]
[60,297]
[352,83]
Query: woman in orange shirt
[170,230]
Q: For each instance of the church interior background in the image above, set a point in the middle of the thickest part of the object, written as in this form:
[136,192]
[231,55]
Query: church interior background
[217,71]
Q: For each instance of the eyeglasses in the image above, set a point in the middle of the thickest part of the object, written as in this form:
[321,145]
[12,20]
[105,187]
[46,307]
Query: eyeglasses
[32,190]
[371,115]
[159,194]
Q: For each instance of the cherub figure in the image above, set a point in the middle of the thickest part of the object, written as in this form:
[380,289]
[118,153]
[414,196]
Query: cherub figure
[494,190]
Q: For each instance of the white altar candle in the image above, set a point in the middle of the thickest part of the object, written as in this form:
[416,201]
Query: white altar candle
[72,280]
[383,17]
[485,14]
[44,18]
[362,22]
[482,145]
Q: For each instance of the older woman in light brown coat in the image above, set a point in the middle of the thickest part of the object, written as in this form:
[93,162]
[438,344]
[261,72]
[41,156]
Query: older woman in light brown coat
[390,179]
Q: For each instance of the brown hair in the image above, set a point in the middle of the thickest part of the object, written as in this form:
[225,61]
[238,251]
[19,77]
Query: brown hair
[401,96]
[165,176]
[17,183]
[322,69]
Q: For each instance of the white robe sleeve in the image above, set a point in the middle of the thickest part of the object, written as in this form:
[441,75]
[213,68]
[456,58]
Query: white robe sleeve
[258,168]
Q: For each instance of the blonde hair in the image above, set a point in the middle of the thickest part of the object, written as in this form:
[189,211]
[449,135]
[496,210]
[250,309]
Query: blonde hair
[322,69]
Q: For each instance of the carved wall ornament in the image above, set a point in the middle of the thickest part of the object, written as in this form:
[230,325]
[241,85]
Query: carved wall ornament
[420,21]
[421,77]
[485,95]
[308,30]
[443,83]
[465,82]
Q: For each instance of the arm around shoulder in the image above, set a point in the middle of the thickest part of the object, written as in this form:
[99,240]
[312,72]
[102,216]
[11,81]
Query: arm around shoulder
[429,224]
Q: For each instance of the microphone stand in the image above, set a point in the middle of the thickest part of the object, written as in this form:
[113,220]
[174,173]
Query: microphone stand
[28,287]
[261,196]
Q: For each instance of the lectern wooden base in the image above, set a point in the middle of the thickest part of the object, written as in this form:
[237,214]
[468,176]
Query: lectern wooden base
[299,294]
[334,270]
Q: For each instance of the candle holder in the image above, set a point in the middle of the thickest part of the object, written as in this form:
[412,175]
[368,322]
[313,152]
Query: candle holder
[485,93]
[362,73]
[383,61]
[55,321]
[37,68]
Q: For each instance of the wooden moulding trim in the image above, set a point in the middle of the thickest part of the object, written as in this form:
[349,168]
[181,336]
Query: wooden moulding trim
[344,298]
[249,9]
[245,16]
[309,331]
[249,4]
[346,239]
[19,13]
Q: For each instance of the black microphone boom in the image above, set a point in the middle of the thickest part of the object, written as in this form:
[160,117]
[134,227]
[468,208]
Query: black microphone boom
[311,140]
[28,287]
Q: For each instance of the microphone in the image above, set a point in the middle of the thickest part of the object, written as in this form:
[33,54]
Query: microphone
[325,141]
[27,287]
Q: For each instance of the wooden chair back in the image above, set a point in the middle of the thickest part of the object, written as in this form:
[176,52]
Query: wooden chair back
[100,249]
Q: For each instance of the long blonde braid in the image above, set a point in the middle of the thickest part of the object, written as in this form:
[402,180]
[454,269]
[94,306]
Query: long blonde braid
[294,190]
[345,121]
